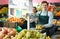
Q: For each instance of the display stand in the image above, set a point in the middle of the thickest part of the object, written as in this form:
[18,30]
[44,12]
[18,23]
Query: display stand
[28,23]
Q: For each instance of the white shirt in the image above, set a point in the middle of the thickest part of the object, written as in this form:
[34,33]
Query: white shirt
[32,16]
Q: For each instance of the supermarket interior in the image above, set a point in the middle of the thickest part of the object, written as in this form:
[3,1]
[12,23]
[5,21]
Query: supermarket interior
[29,19]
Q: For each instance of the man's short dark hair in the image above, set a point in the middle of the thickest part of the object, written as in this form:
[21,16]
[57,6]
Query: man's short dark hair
[35,7]
[44,2]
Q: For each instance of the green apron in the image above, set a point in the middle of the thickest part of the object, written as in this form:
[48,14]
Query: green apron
[43,19]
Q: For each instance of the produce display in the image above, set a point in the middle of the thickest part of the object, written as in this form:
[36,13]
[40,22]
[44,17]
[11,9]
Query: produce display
[56,22]
[2,19]
[48,37]
[58,14]
[38,27]
[3,13]
[14,19]
[11,33]
[7,33]
[50,8]
[7,37]
[29,34]
[4,10]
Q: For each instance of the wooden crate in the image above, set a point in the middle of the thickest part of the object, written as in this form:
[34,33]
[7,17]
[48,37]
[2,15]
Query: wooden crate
[10,24]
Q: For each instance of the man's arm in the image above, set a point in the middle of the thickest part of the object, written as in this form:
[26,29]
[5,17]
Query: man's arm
[32,19]
[37,14]
[50,20]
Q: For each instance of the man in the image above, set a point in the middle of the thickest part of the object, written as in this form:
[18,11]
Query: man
[45,17]
[32,17]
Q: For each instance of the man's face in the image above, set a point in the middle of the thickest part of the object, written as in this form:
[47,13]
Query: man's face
[44,6]
[34,10]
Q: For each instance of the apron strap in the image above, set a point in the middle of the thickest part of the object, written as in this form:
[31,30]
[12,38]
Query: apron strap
[47,13]
[41,12]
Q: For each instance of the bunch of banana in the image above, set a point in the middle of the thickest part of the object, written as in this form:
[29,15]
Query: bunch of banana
[38,27]
[28,34]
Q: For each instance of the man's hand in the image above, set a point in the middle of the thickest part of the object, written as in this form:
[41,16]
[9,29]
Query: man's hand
[36,20]
[43,27]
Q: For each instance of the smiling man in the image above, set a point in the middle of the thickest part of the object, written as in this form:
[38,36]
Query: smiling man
[45,17]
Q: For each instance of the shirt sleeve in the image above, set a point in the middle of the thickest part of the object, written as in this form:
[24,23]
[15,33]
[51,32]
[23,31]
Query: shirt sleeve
[50,14]
[37,14]
[32,19]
